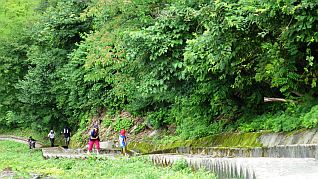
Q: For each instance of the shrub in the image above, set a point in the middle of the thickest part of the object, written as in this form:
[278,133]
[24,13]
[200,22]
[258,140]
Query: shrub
[159,118]
[310,119]
[140,128]
[180,165]
[107,122]
[122,123]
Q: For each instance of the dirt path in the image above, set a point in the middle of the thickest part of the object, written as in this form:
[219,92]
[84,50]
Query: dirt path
[60,152]
[7,173]
[19,139]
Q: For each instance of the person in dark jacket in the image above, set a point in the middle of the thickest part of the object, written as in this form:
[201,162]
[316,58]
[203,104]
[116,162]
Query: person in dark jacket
[67,135]
[31,142]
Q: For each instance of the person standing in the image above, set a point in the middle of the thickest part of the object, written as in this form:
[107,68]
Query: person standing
[67,135]
[93,139]
[123,141]
[51,136]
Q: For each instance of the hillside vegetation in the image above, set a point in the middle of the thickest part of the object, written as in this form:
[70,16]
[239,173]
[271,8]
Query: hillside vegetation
[200,67]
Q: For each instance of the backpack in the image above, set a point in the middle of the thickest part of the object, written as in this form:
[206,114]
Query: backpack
[94,133]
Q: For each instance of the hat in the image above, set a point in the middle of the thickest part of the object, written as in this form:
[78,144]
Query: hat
[122,132]
[96,126]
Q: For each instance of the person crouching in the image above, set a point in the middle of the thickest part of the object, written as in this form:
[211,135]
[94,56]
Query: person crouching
[94,139]
[31,142]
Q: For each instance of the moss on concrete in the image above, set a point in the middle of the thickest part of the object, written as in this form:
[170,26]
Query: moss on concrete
[291,133]
[246,140]
[141,147]
[229,140]
[238,140]
[226,140]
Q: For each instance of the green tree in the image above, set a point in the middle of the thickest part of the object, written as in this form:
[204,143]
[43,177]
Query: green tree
[16,17]
[55,35]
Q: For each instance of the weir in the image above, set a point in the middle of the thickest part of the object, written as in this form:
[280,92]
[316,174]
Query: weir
[280,151]
[283,155]
[247,168]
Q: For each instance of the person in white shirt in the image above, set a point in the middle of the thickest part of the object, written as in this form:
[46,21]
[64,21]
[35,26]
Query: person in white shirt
[51,136]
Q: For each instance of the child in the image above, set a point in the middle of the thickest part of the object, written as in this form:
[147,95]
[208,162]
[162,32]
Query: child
[31,142]
[123,141]
[51,136]
[94,139]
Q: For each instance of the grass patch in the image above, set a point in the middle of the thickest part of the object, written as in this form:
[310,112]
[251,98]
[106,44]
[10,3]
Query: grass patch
[24,162]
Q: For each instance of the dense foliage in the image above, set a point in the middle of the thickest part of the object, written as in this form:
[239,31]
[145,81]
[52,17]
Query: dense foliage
[204,66]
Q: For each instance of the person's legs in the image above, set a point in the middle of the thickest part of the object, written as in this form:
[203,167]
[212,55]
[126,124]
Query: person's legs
[97,146]
[52,142]
[90,146]
[125,150]
[67,141]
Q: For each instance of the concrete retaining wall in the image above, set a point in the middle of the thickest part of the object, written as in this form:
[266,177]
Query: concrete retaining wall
[281,151]
[298,137]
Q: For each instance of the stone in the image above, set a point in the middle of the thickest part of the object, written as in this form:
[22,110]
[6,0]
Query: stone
[107,144]
[153,133]
[314,139]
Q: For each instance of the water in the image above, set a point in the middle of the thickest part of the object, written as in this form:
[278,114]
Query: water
[247,168]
